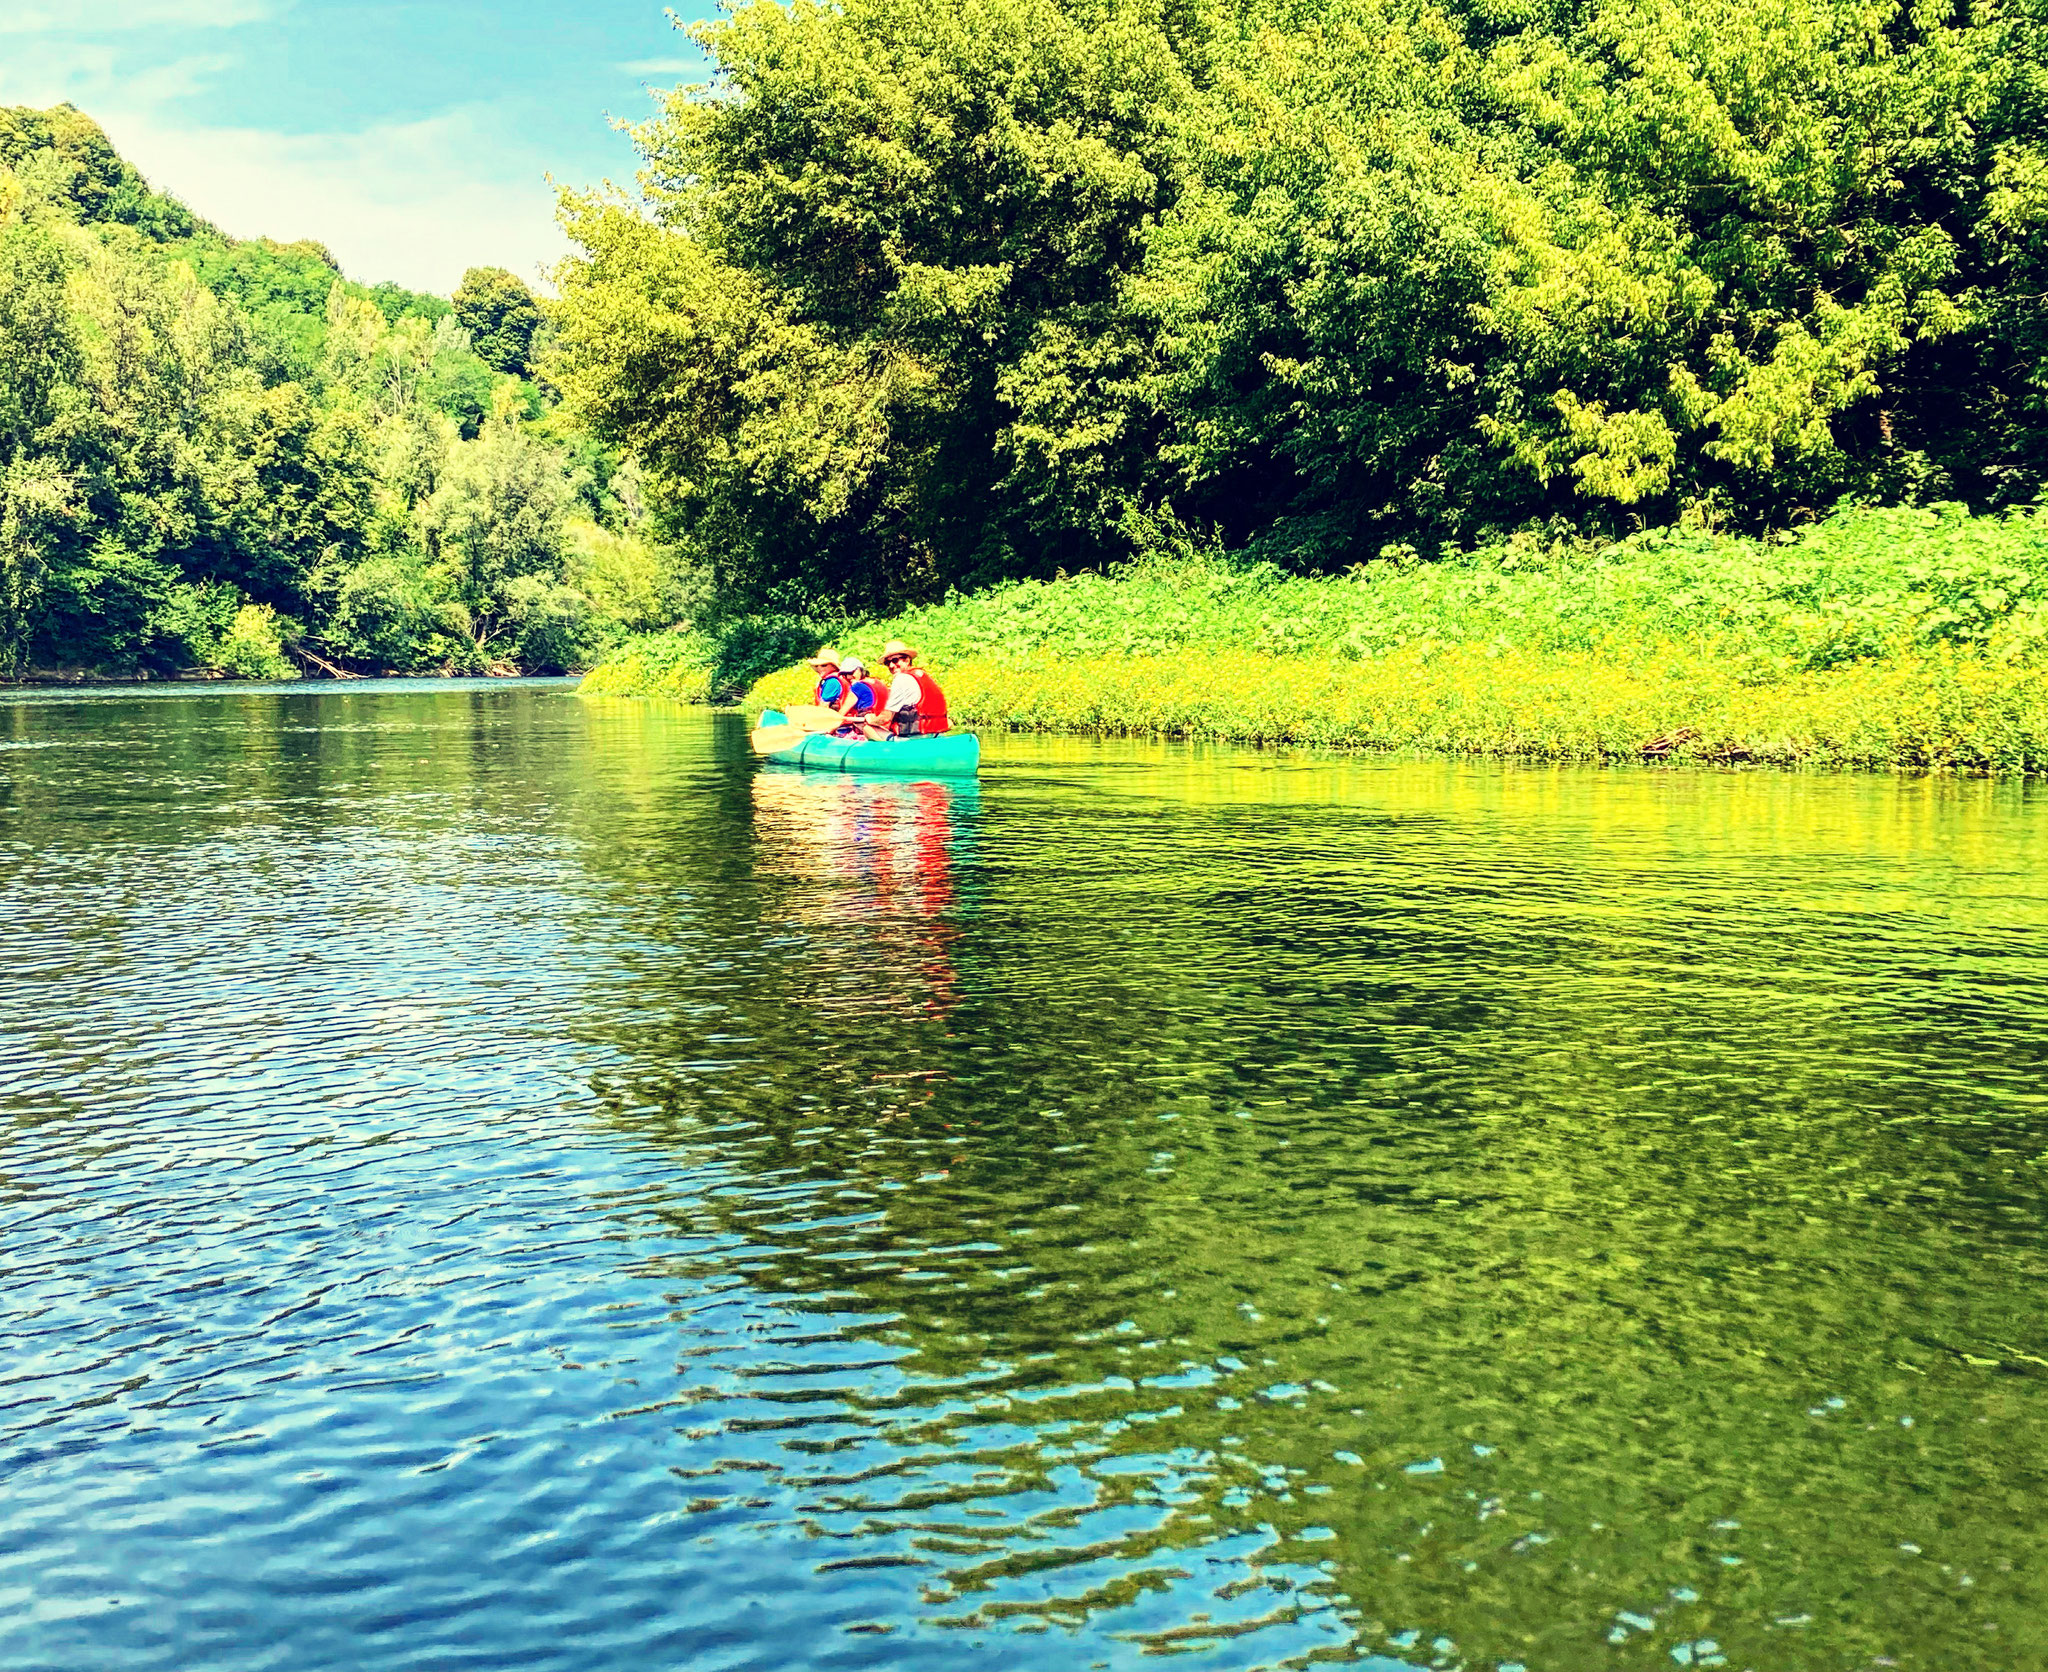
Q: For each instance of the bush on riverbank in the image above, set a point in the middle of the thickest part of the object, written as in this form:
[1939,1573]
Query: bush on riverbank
[1943,709]
[1877,638]
[680,665]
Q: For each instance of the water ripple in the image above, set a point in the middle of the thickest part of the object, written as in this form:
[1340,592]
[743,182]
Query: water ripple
[493,1180]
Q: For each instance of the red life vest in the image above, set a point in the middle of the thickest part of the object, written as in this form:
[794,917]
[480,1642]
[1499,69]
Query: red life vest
[931,704]
[869,693]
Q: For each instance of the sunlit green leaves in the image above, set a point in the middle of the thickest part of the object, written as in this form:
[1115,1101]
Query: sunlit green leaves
[940,290]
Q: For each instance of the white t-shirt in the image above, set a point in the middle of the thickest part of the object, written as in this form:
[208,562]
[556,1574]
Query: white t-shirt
[904,692]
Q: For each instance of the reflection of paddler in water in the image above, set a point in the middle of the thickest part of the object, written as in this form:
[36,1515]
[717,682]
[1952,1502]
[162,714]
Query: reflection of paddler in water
[893,841]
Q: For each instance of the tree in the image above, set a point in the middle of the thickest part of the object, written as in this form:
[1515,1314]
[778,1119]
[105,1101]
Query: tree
[82,167]
[458,383]
[871,338]
[209,447]
[497,527]
[500,315]
[923,292]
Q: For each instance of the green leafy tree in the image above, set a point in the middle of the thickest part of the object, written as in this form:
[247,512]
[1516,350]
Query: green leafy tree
[498,530]
[212,448]
[76,163]
[392,611]
[296,498]
[870,336]
[919,292]
[500,315]
[40,367]
[458,383]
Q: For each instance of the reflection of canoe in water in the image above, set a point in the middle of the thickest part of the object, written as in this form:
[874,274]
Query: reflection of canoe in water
[949,755]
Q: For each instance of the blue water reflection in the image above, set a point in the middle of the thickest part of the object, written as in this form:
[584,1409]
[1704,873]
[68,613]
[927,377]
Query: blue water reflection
[493,1179]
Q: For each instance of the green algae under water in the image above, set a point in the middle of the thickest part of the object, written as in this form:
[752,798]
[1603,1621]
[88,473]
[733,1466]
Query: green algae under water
[497,1179]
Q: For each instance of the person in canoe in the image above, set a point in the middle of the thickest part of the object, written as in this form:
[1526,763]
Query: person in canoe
[831,683]
[914,706]
[860,700]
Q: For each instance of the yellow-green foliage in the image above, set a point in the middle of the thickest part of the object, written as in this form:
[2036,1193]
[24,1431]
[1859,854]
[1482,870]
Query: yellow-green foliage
[1878,638]
[620,574]
[1939,708]
[253,646]
[676,665]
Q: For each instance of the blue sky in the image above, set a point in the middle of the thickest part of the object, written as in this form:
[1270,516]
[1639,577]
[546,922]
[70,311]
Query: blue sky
[414,140]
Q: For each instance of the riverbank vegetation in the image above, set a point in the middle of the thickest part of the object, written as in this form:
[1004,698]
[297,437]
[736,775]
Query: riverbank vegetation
[222,456]
[1382,371]
[926,295]
[1876,638]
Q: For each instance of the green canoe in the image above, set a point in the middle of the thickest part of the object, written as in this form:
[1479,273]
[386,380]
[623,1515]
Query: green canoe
[949,755]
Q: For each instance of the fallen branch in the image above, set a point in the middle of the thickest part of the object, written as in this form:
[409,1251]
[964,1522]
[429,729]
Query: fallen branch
[299,648]
[1661,748]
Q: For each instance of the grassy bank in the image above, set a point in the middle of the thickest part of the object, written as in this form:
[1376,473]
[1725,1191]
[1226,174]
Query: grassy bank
[679,665]
[1877,639]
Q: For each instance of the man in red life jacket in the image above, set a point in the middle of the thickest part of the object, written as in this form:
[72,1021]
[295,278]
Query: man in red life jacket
[915,706]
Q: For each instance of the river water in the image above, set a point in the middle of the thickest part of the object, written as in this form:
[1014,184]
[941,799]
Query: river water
[497,1180]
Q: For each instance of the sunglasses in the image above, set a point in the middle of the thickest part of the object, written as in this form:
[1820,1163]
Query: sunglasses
[891,661]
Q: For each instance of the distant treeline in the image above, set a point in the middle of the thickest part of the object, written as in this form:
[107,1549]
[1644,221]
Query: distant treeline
[219,454]
[925,294]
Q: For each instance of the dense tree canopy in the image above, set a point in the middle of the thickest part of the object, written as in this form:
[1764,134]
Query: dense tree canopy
[500,315]
[921,292]
[217,454]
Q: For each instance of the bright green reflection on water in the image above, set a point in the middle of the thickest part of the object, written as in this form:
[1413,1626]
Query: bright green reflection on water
[1551,1217]
[1577,1208]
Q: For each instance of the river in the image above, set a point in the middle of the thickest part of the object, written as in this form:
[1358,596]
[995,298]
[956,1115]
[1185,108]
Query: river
[499,1180]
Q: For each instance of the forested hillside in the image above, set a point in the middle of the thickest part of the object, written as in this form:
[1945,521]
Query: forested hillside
[224,455]
[925,294]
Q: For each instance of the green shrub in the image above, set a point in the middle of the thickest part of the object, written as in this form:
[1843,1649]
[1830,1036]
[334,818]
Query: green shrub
[253,646]
[621,575]
[681,665]
[554,629]
[1855,585]
[390,612]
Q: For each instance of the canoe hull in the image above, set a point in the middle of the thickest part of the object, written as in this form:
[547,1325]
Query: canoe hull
[949,755]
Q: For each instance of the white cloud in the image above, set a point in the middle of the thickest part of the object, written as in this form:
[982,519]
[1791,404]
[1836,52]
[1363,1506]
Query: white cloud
[668,66]
[417,202]
[120,17]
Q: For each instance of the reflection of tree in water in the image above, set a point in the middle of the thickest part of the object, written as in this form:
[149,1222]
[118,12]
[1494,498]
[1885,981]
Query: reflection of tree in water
[868,1119]
[1209,1269]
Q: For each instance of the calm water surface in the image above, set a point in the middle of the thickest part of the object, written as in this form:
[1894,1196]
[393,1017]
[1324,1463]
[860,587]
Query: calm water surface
[494,1180]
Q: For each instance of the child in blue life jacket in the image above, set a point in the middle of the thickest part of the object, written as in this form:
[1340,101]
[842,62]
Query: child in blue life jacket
[861,699]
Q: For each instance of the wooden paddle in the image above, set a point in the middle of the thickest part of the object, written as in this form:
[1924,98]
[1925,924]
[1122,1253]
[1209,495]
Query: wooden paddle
[805,720]
[768,739]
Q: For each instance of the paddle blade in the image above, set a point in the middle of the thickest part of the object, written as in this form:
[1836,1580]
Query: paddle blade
[812,717]
[769,739]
